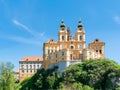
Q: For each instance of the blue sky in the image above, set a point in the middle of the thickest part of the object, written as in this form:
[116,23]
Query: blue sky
[26,24]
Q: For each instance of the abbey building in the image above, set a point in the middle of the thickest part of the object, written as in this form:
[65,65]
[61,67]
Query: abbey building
[70,49]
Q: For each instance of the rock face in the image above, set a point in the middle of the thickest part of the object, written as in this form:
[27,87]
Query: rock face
[115,81]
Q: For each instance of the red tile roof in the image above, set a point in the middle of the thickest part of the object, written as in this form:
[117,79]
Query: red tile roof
[32,59]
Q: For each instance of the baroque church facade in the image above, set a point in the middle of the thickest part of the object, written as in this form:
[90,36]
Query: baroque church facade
[69,49]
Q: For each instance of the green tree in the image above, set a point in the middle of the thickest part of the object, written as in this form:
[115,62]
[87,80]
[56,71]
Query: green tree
[98,74]
[89,75]
[7,80]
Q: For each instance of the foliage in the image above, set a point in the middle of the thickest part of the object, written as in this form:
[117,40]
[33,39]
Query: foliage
[118,88]
[74,86]
[7,80]
[43,79]
[89,75]
[99,74]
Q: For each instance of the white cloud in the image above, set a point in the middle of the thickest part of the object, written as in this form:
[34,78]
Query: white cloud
[37,37]
[117,19]
[26,28]
[17,23]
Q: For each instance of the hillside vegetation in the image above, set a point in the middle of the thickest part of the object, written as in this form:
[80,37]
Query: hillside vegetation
[89,75]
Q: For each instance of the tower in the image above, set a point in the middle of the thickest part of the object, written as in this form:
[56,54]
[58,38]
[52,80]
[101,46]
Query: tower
[62,34]
[98,47]
[80,35]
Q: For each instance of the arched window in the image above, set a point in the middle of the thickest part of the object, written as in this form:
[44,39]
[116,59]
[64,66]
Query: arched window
[56,55]
[71,46]
[96,50]
[62,53]
[80,37]
[100,51]
[63,38]
[48,51]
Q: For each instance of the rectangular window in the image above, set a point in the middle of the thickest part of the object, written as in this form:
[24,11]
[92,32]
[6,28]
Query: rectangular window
[30,66]
[62,53]
[37,66]
[51,50]
[22,66]
[67,38]
[48,51]
[22,71]
[34,66]
[71,56]
[80,56]
[26,66]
